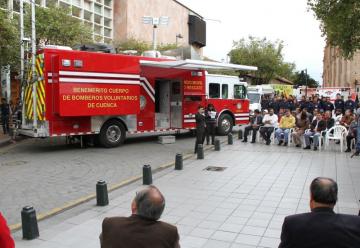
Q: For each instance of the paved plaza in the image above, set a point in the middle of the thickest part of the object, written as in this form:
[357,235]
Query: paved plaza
[242,206]
[48,174]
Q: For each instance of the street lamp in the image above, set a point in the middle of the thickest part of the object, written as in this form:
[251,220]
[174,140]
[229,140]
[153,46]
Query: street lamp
[155,21]
[306,80]
[178,36]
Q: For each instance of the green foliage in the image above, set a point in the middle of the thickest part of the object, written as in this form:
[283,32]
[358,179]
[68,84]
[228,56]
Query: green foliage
[56,27]
[264,54]
[339,22]
[133,44]
[9,42]
[141,46]
[302,78]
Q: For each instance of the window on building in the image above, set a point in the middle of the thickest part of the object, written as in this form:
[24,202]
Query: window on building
[16,6]
[214,90]
[108,3]
[3,4]
[51,3]
[225,91]
[239,92]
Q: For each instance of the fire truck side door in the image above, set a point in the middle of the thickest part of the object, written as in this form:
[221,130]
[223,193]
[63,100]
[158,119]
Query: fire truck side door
[176,105]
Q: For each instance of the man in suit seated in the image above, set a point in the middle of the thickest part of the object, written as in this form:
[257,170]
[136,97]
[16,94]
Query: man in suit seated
[254,125]
[143,228]
[316,127]
[322,227]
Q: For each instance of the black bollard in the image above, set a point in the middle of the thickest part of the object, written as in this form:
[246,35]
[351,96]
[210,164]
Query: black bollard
[217,145]
[240,134]
[29,223]
[102,198]
[230,139]
[178,161]
[147,175]
[200,152]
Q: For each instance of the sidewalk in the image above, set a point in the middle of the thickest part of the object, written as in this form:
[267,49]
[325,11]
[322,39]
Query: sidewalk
[4,139]
[242,206]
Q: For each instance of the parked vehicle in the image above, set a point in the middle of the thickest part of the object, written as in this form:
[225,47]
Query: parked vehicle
[108,96]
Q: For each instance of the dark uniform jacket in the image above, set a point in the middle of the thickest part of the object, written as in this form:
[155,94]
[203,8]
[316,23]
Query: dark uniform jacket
[200,121]
[209,118]
[256,120]
[328,106]
[5,110]
[350,104]
[320,127]
[321,228]
[339,104]
[137,232]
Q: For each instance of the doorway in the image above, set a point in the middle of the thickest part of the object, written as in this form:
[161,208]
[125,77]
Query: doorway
[168,104]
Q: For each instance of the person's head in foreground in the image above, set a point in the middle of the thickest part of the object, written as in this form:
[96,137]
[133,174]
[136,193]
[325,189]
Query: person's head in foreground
[148,203]
[323,193]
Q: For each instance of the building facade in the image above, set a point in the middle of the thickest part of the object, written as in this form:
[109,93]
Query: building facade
[340,72]
[128,23]
[97,14]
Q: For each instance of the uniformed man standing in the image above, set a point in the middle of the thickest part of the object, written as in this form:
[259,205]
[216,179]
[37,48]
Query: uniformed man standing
[210,119]
[200,127]
[339,103]
[5,115]
[350,104]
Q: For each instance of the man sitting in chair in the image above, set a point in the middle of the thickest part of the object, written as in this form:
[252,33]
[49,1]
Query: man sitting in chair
[254,125]
[317,126]
[270,121]
[286,123]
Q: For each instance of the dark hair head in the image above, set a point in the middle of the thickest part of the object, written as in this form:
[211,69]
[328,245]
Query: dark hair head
[256,111]
[324,190]
[200,107]
[303,116]
[150,203]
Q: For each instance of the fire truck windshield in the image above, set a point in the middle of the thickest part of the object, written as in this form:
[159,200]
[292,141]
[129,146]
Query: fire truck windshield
[254,97]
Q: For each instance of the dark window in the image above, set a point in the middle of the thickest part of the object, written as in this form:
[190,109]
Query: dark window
[225,91]
[239,92]
[192,98]
[214,90]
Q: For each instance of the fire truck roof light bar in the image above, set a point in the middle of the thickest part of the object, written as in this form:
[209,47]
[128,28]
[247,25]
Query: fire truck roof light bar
[197,64]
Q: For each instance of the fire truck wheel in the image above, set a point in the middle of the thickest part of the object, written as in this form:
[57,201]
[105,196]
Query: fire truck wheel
[225,124]
[112,134]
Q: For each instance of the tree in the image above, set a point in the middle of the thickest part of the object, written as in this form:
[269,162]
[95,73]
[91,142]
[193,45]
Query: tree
[264,54]
[303,79]
[9,42]
[141,46]
[339,22]
[56,26]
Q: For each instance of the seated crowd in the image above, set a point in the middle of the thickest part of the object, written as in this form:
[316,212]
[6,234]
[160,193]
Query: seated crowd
[308,120]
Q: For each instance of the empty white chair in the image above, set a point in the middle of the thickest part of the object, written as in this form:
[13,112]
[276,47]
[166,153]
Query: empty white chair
[337,132]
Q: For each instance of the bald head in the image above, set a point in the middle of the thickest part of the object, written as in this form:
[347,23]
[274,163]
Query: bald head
[150,203]
[324,191]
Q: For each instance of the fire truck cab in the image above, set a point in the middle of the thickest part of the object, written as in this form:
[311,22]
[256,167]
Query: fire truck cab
[77,93]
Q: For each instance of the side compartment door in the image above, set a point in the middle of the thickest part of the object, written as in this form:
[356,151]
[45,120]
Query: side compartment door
[176,105]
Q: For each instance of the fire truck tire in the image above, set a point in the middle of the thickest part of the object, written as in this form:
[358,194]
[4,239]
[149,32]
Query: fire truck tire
[112,134]
[225,124]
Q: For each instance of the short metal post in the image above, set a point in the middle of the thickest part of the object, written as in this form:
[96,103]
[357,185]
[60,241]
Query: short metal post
[217,145]
[240,134]
[178,161]
[230,139]
[147,175]
[102,198]
[200,152]
[29,223]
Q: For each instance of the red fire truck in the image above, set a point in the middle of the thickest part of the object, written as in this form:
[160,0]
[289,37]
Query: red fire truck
[77,93]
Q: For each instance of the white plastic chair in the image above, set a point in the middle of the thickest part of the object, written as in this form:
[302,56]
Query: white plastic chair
[321,137]
[337,132]
[272,137]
